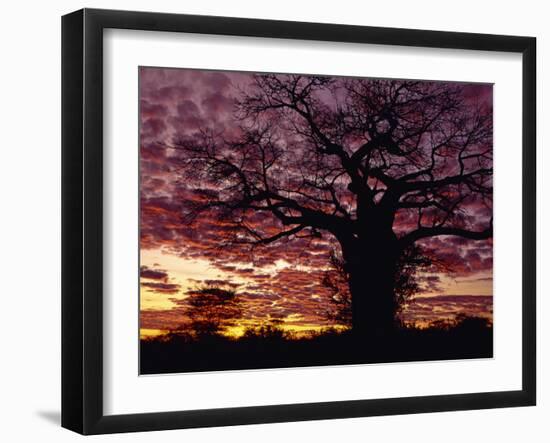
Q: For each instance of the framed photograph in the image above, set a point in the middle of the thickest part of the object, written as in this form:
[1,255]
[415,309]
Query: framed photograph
[270,221]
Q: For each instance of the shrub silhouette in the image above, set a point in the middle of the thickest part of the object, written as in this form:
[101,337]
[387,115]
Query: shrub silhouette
[269,346]
[266,332]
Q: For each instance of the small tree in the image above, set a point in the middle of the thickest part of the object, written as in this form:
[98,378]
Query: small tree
[212,310]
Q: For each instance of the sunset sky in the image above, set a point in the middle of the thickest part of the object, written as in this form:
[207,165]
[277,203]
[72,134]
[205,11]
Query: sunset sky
[279,281]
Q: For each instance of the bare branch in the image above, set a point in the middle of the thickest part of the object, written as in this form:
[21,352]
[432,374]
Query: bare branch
[437,231]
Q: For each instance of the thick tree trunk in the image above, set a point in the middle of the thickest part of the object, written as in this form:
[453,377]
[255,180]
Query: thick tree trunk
[372,271]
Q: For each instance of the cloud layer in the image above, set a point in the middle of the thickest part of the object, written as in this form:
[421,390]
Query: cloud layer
[277,281]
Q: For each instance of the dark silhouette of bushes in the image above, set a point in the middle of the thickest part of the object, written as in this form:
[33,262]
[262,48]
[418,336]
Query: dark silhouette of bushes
[269,346]
[266,332]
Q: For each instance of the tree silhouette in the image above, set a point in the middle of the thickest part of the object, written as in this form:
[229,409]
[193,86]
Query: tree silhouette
[211,310]
[377,165]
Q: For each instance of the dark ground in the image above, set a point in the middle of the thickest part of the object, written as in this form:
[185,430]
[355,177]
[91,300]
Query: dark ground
[268,348]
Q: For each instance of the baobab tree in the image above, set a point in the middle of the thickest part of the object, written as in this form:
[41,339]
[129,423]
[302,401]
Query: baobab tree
[377,165]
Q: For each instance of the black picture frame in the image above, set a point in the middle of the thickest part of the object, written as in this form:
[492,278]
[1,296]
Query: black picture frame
[82,218]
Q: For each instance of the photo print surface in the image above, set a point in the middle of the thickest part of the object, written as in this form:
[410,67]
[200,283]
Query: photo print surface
[294,220]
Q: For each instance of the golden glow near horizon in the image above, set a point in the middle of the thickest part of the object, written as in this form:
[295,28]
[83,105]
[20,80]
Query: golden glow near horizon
[180,271]
[238,331]
[478,284]
[186,273]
